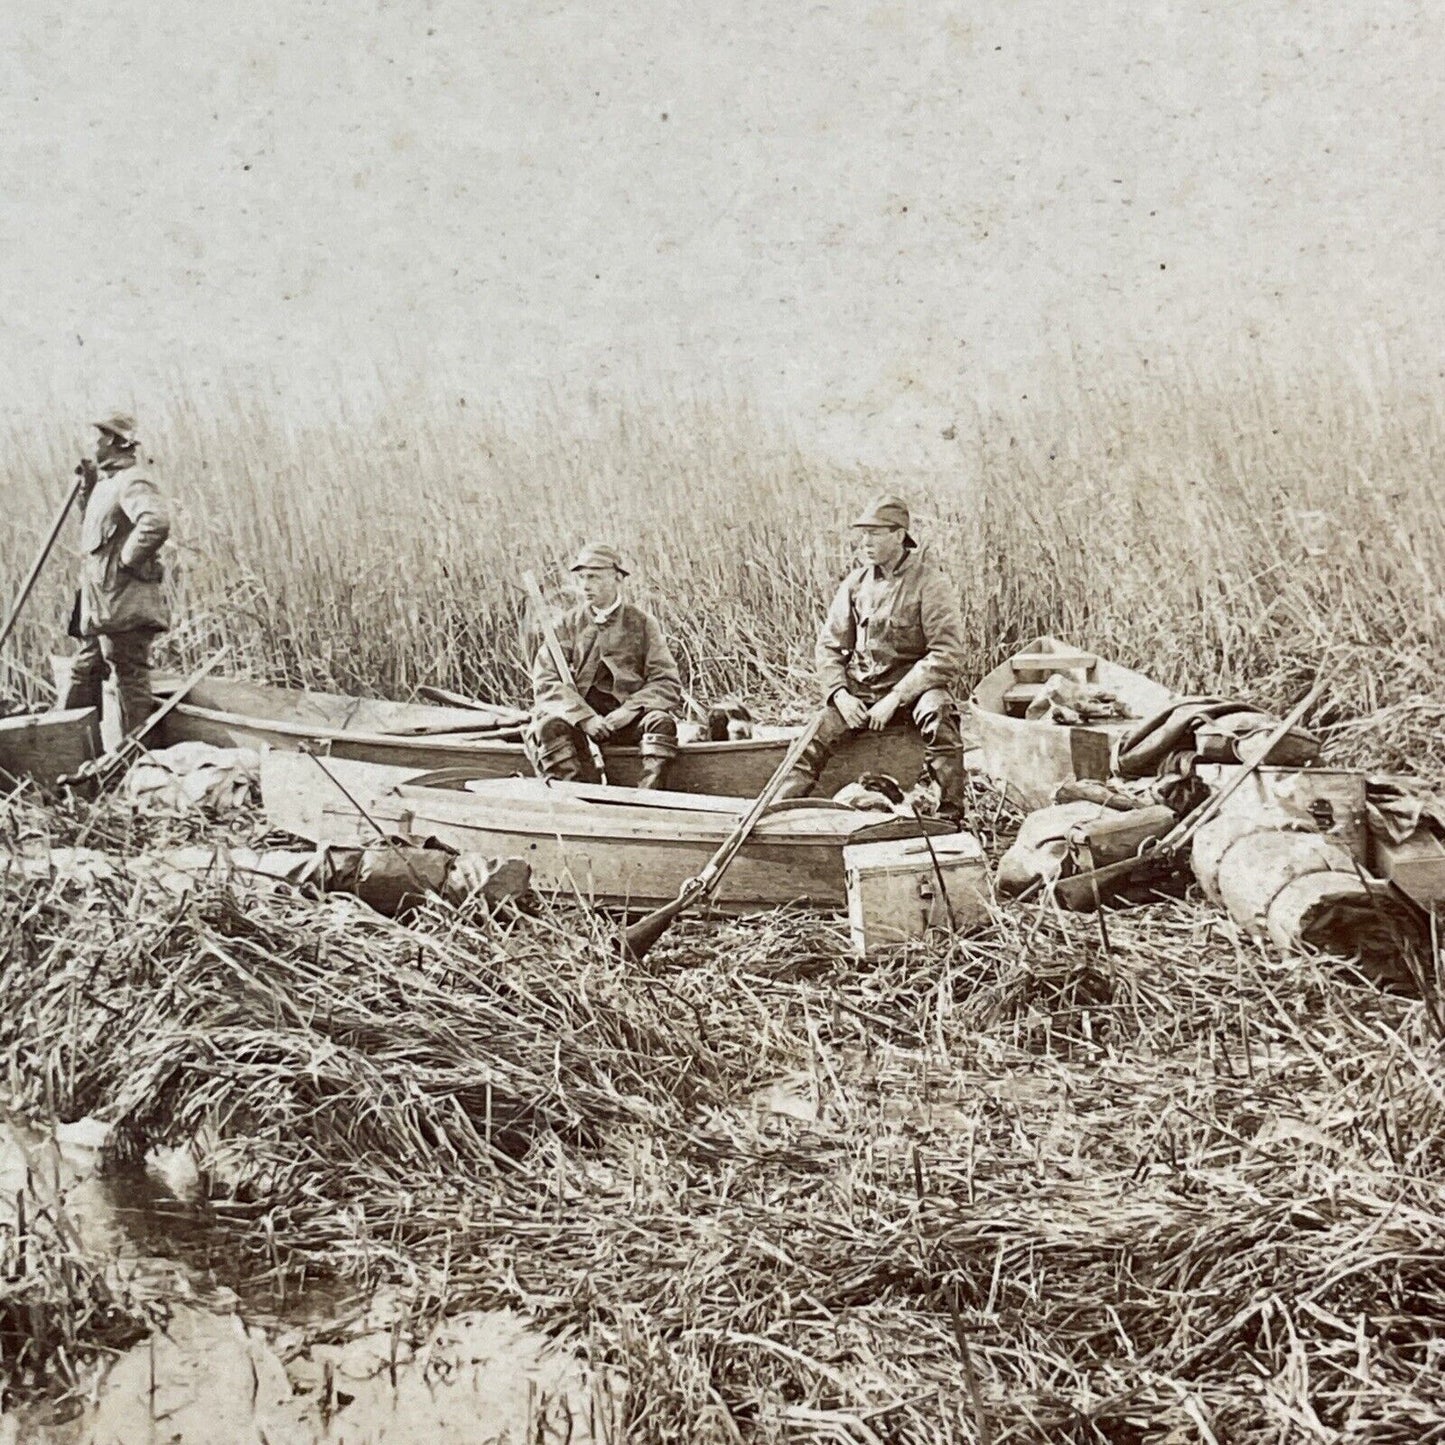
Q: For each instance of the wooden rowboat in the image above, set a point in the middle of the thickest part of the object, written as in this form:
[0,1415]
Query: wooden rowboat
[1030,758]
[613,846]
[230,713]
[47,745]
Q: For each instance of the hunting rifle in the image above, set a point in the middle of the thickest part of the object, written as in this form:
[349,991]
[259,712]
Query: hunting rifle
[559,658]
[640,937]
[1157,860]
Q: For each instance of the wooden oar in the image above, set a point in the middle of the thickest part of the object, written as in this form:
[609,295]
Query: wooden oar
[26,587]
[559,658]
[639,938]
[505,716]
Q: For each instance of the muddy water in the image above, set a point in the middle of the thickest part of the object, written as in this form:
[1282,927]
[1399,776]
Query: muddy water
[237,1364]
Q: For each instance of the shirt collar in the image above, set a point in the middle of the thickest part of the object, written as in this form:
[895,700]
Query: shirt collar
[877,571]
[605,614]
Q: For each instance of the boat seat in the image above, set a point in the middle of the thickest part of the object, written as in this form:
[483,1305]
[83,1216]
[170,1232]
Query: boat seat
[1037,666]
[1016,699]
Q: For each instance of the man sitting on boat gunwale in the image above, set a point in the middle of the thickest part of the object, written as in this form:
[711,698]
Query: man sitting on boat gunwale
[888,654]
[627,686]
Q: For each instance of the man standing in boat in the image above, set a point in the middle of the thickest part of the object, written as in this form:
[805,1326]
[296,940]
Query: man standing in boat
[625,687]
[889,652]
[120,607]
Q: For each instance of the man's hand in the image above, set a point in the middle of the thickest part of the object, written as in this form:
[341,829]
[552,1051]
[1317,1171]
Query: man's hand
[89,475]
[850,709]
[597,728]
[619,718]
[881,713]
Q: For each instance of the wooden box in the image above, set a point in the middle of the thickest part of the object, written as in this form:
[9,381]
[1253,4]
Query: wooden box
[1334,798]
[1416,866]
[47,745]
[894,893]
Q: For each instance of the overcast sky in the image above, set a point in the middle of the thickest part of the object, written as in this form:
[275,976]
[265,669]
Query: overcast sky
[856,213]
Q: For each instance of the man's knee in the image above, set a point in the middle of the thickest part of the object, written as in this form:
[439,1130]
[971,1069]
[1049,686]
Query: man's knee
[553,741]
[129,654]
[659,734]
[936,717]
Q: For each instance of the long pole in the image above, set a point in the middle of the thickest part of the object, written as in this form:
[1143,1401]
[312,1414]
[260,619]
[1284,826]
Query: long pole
[29,583]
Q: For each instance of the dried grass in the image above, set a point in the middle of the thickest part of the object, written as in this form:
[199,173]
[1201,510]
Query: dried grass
[1218,535]
[1176,1191]
[1030,1187]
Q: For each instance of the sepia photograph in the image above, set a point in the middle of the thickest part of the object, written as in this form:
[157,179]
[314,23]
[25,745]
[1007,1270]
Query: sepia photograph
[722,725]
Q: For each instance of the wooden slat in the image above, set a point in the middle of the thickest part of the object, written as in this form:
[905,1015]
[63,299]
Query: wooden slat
[1045,663]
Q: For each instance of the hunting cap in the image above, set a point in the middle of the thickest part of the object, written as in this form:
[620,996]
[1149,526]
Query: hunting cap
[598,554]
[120,426]
[886,511]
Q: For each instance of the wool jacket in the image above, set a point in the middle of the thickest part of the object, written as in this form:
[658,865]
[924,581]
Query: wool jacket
[899,631]
[627,656]
[124,523]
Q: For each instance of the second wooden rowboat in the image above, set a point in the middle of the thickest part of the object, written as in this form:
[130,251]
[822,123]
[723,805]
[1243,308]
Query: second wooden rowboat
[230,713]
[606,845]
[1031,757]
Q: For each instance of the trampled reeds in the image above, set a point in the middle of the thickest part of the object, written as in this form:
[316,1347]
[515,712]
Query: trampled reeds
[1019,1188]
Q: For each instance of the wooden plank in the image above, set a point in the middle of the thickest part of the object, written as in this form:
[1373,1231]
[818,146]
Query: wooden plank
[1032,666]
[49,745]
[1416,866]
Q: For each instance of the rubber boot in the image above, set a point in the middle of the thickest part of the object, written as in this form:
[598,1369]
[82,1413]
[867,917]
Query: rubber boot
[798,784]
[953,790]
[654,770]
[557,760]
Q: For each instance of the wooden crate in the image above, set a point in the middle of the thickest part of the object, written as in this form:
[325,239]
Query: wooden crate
[1416,866]
[894,894]
[47,745]
[1333,797]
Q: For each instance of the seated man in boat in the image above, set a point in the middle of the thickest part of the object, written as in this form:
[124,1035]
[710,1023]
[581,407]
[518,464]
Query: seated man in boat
[888,654]
[625,684]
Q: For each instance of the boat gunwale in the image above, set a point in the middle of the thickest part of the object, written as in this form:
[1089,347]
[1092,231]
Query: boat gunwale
[450,741]
[699,827]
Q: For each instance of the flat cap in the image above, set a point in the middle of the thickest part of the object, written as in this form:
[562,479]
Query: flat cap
[120,426]
[885,511]
[598,554]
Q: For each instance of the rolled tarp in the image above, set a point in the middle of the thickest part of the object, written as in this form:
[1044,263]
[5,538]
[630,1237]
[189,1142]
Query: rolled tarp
[1280,879]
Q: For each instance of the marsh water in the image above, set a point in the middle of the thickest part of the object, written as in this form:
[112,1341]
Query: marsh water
[241,1358]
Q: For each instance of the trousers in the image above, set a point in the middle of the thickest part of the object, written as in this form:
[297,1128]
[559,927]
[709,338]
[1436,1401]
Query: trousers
[128,656]
[934,715]
[563,752]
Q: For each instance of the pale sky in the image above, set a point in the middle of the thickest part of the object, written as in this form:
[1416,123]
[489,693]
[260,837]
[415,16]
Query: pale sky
[856,214]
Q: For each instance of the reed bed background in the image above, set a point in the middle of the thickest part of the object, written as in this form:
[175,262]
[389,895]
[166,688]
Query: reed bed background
[1218,537]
